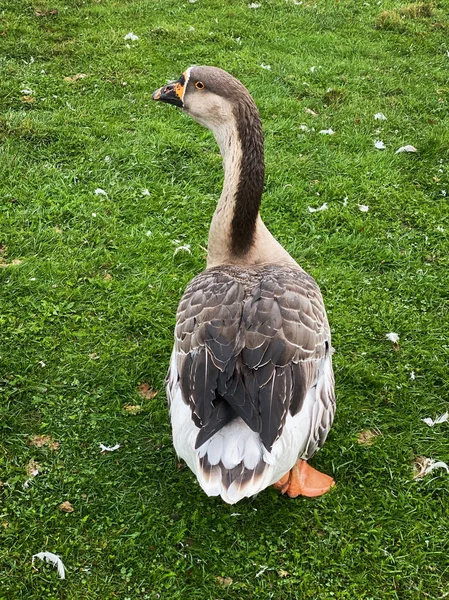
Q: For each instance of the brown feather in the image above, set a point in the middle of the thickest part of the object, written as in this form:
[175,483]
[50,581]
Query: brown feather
[255,343]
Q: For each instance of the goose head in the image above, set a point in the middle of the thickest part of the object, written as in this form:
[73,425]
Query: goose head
[218,101]
[209,95]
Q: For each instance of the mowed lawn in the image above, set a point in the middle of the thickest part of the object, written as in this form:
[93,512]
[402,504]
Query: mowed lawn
[105,202]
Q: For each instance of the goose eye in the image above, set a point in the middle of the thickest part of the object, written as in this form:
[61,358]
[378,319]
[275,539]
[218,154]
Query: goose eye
[199,85]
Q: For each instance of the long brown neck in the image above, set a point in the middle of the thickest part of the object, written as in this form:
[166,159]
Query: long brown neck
[233,227]
[250,184]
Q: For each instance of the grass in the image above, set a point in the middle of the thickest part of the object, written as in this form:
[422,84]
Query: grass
[89,288]
[394,19]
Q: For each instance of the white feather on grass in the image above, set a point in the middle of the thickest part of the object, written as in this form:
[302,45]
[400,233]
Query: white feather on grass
[424,466]
[393,337]
[320,208]
[431,422]
[262,570]
[408,148]
[52,559]
[104,448]
[185,248]
[131,36]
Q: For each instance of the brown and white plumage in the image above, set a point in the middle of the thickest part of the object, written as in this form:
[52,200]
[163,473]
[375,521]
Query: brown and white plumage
[250,383]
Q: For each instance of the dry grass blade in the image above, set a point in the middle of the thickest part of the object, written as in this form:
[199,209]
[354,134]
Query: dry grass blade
[13,263]
[133,409]
[224,580]
[146,392]
[394,19]
[66,507]
[367,437]
[43,440]
[75,77]
[46,13]
[417,10]
[283,574]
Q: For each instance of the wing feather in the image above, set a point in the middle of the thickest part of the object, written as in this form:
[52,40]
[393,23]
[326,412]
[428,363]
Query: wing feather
[249,343]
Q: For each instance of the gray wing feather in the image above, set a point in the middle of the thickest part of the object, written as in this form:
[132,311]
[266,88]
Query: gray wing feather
[249,344]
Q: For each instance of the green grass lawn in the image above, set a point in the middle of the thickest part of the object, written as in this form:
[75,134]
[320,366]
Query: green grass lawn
[89,285]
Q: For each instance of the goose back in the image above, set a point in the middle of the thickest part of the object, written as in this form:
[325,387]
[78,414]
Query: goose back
[250,344]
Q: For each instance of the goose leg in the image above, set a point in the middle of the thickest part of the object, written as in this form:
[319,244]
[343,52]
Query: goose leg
[304,480]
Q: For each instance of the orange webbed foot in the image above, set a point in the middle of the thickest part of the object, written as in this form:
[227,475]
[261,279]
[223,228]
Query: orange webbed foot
[304,480]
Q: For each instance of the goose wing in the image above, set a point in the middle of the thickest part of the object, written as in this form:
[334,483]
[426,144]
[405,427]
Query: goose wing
[252,343]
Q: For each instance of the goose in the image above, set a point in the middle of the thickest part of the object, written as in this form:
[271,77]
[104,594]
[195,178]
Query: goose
[250,385]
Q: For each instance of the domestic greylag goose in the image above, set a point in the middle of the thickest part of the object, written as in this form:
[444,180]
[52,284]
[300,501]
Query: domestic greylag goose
[250,384]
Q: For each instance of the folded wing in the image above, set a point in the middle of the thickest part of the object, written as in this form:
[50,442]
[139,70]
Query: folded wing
[250,344]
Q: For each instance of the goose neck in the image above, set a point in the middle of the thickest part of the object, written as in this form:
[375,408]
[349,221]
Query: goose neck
[233,229]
